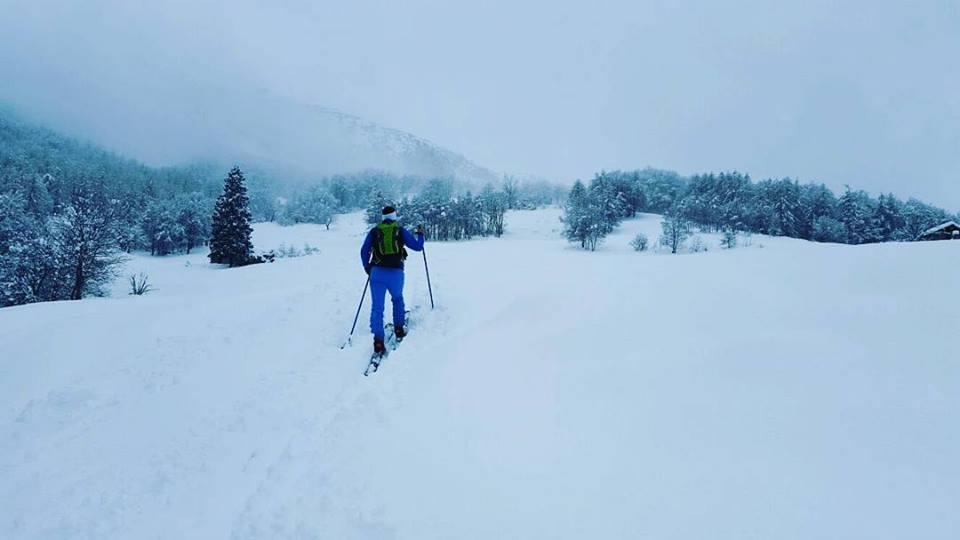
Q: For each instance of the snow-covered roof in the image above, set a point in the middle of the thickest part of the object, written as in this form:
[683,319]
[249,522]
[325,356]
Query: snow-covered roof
[941,227]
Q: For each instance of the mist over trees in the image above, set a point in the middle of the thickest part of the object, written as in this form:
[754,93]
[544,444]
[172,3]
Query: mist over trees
[65,256]
[69,211]
[731,201]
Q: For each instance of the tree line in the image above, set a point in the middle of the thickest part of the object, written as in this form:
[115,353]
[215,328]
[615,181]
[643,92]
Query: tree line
[733,202]
[447,216]
[319,202]
[70,210]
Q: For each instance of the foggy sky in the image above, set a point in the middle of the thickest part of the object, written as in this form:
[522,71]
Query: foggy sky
[864,93]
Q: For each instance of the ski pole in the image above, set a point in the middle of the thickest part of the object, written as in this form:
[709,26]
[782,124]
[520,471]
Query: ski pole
[356,317]
[427,268]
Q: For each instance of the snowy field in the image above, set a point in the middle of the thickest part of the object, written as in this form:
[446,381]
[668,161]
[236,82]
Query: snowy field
[782,390]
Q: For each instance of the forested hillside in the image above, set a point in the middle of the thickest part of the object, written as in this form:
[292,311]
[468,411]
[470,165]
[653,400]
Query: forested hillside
[70,210]
[67,209]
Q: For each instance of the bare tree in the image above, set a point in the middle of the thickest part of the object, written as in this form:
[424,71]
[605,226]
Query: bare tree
[676,230]
[639,242]
[511,189]
[86,241]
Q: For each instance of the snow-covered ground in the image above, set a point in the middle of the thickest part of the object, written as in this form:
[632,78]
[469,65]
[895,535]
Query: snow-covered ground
[780,390]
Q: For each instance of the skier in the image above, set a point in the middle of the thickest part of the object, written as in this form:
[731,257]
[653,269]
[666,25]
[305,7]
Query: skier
[382,256]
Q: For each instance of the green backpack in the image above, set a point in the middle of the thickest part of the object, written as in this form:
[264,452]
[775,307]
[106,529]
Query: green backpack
[388,248]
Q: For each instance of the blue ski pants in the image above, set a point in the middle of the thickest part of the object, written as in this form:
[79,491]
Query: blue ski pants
[381,281]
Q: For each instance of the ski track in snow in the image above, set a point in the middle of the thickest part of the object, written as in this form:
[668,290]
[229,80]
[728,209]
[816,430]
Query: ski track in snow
[778,390]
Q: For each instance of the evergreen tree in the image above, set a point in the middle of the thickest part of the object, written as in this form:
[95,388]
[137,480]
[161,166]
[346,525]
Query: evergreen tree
[816,201]
[786,208]
[609,198]
[827,229]
[374,210]
[151,224]
[15,227]
[576,215]
[887,219]
[855,210]
[193,221]
[734,192]
[661,189]
[230,241]
[728,240]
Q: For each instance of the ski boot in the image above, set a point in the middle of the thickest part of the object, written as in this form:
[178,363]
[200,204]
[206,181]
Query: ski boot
[400,332]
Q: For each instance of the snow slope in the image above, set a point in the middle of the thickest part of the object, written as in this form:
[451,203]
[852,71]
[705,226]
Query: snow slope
[784,390]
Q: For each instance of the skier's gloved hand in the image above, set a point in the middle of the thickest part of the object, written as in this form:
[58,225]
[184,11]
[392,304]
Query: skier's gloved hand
[420,230]
[366,268]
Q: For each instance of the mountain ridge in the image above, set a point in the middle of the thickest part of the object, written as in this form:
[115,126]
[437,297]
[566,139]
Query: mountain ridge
[284,137]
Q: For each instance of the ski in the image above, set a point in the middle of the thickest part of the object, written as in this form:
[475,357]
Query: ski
[374,363]
[390,343]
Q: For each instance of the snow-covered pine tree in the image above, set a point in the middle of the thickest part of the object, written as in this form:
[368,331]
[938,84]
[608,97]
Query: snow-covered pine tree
[230,241]
[193,220]
[855,210]
[827,229]
[661,189]
[816,201]
[15,229]
[610,201]
[786,208]
[887,218]
[575,215]
[374,209]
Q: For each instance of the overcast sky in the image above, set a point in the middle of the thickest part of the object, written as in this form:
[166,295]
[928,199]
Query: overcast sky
[859,92]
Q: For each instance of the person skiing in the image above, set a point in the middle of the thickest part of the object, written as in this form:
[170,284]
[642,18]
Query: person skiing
[382,256]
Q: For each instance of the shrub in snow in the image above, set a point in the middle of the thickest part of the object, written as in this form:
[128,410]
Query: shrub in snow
[697,245]
[291,252]
[265,257]
[729,239]
[287,252]
[640,242]
[139,285]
